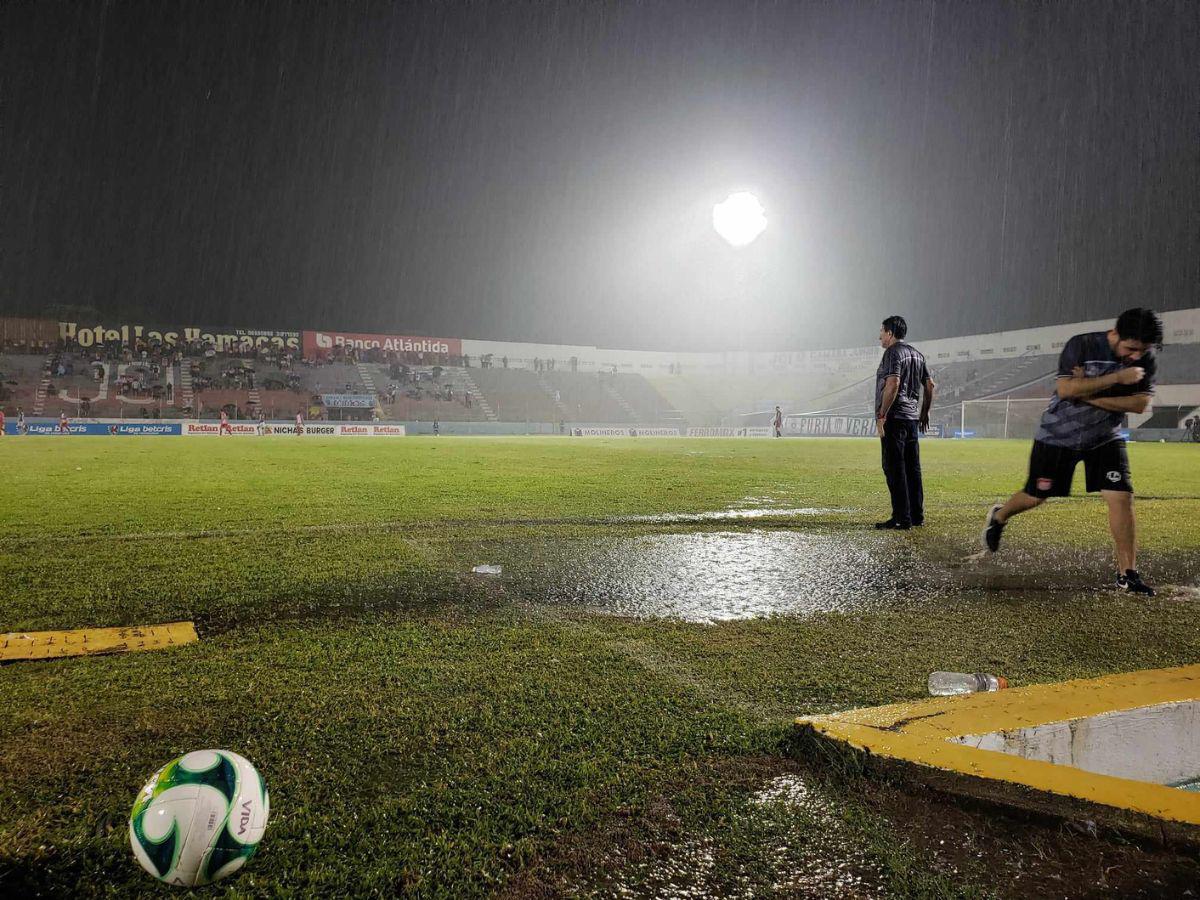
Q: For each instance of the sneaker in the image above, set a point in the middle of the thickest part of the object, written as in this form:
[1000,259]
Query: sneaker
[892,525]
[1131,583]
[992,530]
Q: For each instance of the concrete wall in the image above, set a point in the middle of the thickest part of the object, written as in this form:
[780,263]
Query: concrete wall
[1152,743]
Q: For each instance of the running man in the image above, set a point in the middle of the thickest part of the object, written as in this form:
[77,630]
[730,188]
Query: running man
[1102,377]
[299,423]
[1,422]
[261,427]
[64,427]
[225,427]
[20,421]
[900,413]
[778,422]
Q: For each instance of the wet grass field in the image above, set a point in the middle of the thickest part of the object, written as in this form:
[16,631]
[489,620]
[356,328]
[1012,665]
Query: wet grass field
[611,715]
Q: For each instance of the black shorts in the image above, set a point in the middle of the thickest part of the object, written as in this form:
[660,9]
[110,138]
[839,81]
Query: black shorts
[1051,468]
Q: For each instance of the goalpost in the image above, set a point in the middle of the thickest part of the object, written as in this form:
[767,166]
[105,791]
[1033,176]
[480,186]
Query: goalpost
[1004,418]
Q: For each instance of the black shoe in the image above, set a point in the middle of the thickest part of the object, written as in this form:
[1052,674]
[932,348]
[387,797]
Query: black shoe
[892,525]
[992,530]
[1131,583]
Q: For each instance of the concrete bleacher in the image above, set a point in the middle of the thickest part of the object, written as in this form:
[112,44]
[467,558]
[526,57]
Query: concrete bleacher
[20,374]
[516,396]
[649,405]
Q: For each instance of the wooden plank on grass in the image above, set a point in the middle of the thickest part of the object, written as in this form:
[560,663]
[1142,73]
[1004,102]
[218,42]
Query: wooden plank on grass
[89,641]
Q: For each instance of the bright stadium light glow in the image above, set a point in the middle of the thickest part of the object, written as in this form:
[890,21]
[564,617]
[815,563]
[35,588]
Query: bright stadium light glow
[740,219]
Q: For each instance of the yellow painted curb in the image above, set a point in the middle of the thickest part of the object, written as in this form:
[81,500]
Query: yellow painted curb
[923,732]
[89,641]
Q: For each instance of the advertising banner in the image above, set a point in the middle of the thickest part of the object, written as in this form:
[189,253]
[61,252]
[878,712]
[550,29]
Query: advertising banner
[718,431]
[370,429]
[95,428]
[27,331]
[321,343]
[829,426]
[318,429]
[223,340]
[348,401]
[618,431]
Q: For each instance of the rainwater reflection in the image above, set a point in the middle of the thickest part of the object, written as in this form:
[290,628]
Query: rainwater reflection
[721,576]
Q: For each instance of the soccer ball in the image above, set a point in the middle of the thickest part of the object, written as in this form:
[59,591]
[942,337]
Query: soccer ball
[199,818]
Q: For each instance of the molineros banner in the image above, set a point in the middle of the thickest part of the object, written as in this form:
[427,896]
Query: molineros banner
[322,343]
[617,431]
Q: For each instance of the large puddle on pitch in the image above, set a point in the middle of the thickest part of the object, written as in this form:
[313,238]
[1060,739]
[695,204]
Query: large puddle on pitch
[725,575]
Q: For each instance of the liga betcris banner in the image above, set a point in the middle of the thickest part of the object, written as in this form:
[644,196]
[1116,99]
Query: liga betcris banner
[321,343]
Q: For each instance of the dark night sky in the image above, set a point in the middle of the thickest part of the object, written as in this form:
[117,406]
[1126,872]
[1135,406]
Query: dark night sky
[546,171]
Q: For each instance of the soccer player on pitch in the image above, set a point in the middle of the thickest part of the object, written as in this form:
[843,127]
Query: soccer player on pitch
[1102,377]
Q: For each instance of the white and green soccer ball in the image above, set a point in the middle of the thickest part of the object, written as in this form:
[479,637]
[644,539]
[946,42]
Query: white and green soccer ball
[199,818]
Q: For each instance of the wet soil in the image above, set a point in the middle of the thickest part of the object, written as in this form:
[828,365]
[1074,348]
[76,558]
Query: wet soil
[810,847]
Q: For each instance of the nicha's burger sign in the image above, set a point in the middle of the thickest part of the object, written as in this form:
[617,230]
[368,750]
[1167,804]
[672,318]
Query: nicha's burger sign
[322,343]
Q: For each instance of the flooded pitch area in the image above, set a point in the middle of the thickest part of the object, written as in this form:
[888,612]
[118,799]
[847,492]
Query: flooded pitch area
[724,575]
[742,570]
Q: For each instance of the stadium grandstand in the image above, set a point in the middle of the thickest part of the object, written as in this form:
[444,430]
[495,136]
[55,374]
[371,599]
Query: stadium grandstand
[50,368]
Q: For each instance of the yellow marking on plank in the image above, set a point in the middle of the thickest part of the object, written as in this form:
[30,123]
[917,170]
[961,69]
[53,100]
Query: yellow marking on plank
[91,641]
[923,732]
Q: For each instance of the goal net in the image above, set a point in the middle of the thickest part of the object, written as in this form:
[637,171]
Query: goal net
[1002,418]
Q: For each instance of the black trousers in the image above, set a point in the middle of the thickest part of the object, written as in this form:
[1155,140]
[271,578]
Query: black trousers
[902,468]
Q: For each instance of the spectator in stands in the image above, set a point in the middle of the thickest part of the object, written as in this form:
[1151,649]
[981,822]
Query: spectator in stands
[900,414]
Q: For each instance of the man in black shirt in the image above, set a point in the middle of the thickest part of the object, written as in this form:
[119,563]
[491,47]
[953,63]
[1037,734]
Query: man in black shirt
[1102,377]
[900,412]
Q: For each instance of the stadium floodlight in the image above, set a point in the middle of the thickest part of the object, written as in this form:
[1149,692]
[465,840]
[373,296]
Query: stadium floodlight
[740,219]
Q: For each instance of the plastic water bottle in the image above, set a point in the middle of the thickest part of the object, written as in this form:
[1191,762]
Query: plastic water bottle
[487,570]
[943,684]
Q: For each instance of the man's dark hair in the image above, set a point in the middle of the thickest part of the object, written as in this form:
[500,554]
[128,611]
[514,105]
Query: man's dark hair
[897,326]
[1140,324]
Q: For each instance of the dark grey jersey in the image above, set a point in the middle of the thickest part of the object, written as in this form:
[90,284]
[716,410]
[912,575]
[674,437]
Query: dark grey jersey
[906,363]
[1075,423]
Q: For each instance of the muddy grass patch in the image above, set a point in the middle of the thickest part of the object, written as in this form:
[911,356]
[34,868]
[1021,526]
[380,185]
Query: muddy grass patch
[1023,855]
[767,826]
[743,827]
